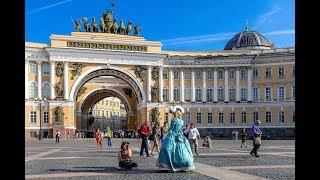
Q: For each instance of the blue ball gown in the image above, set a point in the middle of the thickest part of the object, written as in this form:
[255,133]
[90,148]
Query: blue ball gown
[175,152]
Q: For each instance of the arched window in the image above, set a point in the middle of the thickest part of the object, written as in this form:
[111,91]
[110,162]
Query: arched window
[209,93]
[46,90]
[220,93]
[102,113]
[98,114]
[33,90]
[243,93]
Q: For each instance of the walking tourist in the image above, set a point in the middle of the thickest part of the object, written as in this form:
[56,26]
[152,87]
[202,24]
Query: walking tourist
[108,134]
[256,133]
[175,152]
[193,137]
[145,133]
[124,157]
[243,135]
[155,136]
[98,137]
[58,136]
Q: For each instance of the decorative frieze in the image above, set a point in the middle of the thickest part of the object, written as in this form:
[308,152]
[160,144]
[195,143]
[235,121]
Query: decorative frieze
[106,46]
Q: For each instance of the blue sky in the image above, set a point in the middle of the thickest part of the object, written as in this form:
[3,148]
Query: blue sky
[179,25]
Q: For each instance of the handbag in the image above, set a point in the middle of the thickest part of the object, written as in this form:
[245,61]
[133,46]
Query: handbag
[257,140]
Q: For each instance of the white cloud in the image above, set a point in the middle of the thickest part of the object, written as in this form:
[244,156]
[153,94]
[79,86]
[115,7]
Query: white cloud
[47,7]
[280,32]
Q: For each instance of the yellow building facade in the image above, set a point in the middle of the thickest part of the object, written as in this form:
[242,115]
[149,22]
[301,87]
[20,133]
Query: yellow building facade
[220,90]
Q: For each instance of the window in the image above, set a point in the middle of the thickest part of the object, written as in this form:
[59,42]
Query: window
[198,75]
[33,117]
[281,72]
[268,116]
[220,74]
[46,70]
[231,74]
[281,93]
[33,90]
[187,117]
[255,73]
[294,116]
[232,117]
[187,94]
[209,75]
[198,117]
[243,94]
[220,94]
[187,75]
[46,90]
[165,74]
[293,92]
[45,117]
[166,117]
[281,116]
[102,113]
[209,117]
[243,73]
[244,117]
[268,72]
[255,116]
[255,92]
[268,94]
[221,117]
[33,68]
[98,114]
[293,71]
[232,94]
[165,94]
[176,94]
[209,94]
[198,94]
[175,74]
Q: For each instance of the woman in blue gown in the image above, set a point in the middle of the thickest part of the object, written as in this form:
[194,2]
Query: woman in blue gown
[175,152]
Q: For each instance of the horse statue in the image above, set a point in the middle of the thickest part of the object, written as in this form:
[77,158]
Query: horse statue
[137,30]
[94,25]
[86,25]
[114,27]
[129,28]
[122,28]
[77,25]
[107,17]
[102,25]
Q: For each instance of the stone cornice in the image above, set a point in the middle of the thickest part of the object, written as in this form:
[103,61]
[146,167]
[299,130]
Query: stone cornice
[35,54]
[105,56]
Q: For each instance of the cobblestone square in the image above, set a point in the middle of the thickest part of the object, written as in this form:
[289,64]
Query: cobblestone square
[79,159]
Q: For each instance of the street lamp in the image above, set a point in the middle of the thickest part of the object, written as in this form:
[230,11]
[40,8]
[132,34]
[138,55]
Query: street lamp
[40,100]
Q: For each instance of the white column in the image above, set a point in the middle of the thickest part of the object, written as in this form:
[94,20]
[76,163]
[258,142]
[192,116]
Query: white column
[26,79]
[149,83]
[215,85]
[237,85]
[193,88]
[181,86]
[204,86]
[39,79]
[160,84]
[52,79]
[226,85]
[65,79]
[249,84]
[171,85]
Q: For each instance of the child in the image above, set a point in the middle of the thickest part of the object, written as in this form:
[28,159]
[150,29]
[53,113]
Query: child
[207,142]
[125,157]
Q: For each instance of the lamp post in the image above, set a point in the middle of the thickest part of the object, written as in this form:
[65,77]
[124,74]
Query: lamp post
[40,105]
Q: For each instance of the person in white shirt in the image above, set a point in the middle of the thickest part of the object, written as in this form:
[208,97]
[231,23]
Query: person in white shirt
[193,137]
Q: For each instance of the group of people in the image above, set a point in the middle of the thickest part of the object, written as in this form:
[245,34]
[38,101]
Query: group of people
[100,135]
[173,143]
